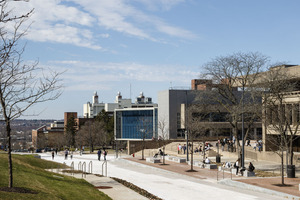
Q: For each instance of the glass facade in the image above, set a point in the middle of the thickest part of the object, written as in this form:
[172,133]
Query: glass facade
[136,124]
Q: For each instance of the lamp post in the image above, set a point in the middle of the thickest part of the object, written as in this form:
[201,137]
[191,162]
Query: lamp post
[243,142]
[186,130]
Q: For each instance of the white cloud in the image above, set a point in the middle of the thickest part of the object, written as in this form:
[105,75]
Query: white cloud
[158,4]
[108,73]
[74,21]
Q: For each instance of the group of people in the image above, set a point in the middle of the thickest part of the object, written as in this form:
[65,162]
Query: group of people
[258,145]
[182,149]
[100,152]
[237,166]
[229,143]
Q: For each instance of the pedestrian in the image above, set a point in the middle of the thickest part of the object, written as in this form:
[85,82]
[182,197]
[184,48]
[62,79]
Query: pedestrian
[184,148]
[52,155]
[56,151]
[251,167]
[105,153]
[179,148]
[66,154]
[248,143]
[71,154]
[236,166]
[99,154]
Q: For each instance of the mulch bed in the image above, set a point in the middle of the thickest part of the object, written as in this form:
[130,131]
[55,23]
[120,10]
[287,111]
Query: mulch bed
[18,190]
[137,189]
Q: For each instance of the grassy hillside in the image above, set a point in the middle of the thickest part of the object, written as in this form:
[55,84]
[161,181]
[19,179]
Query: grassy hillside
[29,173]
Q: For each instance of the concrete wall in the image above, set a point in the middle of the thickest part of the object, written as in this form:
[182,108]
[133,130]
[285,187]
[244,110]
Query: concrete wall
[135,146]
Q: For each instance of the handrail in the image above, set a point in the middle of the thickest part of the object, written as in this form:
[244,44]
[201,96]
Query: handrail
[72,168]
[79,166]
[91,167]
[84,171]
[105,162]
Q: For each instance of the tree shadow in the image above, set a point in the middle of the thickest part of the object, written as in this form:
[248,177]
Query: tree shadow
[191,170]
[18,190]
[282,185]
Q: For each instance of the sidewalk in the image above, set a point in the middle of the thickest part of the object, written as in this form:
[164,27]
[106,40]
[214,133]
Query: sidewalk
[108,186]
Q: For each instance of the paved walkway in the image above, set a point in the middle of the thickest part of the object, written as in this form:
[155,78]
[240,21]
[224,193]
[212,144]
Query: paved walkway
[165,181]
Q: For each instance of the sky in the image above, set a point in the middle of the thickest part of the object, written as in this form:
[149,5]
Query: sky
[133,46]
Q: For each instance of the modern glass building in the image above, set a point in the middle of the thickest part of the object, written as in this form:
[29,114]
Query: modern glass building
[135,123]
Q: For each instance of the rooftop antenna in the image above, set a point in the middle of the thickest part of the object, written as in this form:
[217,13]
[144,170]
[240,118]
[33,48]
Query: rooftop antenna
[130,91]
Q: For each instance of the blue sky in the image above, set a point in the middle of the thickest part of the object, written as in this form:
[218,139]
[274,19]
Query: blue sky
[108,45]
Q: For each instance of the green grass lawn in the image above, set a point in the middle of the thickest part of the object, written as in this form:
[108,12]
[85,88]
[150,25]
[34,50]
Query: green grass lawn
[29,172]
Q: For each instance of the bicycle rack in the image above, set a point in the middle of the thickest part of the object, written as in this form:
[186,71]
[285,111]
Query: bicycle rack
[90,167]
[84,171]
[79,166]
[105,162]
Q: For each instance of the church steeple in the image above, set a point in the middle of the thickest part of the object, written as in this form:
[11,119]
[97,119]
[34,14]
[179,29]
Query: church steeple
[95,98]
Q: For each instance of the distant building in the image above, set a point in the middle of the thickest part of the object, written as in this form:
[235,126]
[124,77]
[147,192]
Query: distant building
[173,106]
[91,110]
[136,123]
[52,136]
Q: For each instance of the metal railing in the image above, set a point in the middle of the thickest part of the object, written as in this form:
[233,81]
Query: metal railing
[79,166]
[90,167]
[83,170]
[104,163]
[72,168]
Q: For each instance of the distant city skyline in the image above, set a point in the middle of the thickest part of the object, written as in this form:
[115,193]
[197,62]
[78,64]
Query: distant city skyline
[147,45]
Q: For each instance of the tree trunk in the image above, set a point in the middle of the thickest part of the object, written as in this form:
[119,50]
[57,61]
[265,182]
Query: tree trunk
[192,156]
[282,170]
[164,154]
[8,132]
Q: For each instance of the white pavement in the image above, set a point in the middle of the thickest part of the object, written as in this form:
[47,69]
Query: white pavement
[164,184]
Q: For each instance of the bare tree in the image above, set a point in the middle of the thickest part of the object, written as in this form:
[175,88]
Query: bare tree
[234,78]
[22,85]
[92,134]
[163,135]
[145,130]
[197,126]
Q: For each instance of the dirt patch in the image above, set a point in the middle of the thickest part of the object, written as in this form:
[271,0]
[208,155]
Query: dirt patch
[137,189]
[18,190]
[103,187]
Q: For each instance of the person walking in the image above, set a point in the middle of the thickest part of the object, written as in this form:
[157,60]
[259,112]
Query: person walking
[52,155]
[71,154]
[179,148]
[99,154]
[236,165]
[184,148]
[105,153]
[66,154]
